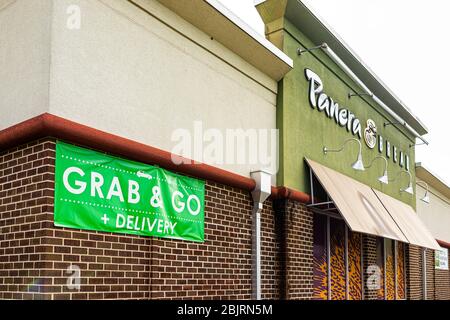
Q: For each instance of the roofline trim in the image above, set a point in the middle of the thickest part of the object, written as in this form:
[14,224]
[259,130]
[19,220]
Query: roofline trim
[241,24]
[360,61]
[439,179]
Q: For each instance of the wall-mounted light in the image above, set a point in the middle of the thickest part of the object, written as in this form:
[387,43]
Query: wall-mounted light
[409,189]
[358,165]
[393,123]
[384,178]
[301,51]
[426,197]
[350,95]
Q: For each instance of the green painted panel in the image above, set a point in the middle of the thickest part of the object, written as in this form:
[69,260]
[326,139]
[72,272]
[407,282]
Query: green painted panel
[304,131]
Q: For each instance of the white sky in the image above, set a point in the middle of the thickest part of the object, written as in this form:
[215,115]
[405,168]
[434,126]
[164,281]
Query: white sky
[405,43]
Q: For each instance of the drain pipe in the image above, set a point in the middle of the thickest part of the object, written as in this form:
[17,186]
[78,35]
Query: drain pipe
[355,78]
[261,192]
[424,270]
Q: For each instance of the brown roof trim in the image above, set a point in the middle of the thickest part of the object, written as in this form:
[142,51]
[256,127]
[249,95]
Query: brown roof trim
[443,244]
[48,125]
[291,194]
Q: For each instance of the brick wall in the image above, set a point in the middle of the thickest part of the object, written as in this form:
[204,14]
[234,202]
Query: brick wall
[296,223]
[414,272]
[26,196]
[272,268]
[442,284]
[220,268]
[35,255]
[430,274]
[369,259]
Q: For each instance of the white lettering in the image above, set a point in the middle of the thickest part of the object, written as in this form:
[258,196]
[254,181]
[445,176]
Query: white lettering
[80,184]
[178,208]
[115,190]
[197,200]
[322,101]
[96,183]
[133,192]
[343,117]
[160,226]
[315,86]
[120,221]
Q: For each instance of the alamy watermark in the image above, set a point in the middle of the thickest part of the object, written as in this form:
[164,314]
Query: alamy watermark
[257,148]
[73,21]
[73,273]
[374,278]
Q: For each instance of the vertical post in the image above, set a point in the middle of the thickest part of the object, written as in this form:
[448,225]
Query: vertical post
[395,270]
[424,268]
[363,285]
[311,181]
[260,194]
[346,264]
[328,258]
[404,272]
[384,268]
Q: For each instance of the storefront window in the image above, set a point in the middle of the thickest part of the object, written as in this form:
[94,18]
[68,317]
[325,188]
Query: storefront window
[354,266]
[390,269]
[380,264]
[337,275]
[320,258]
[401,275]
[337,260]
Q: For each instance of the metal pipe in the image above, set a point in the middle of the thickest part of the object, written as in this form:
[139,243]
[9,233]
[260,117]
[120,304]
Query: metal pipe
[328,258]
[363,287]
[259,195]
[350,73]
[384,269]
[395,271]
[424,278]
[347,291]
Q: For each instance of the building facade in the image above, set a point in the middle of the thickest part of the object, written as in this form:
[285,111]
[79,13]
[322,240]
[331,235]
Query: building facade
[433,207]
[100,200]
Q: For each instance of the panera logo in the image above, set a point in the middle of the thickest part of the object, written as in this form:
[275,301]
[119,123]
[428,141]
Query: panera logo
[322,102]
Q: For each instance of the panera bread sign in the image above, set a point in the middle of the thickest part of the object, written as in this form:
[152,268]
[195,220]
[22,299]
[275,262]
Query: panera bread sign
[343,117]
[95,191]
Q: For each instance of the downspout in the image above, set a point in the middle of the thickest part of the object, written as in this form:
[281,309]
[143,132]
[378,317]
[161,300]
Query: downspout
[261,192]
[424,278]
[355,78]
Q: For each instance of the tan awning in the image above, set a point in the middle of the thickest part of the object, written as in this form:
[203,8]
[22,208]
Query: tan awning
[408,221]
[361,209]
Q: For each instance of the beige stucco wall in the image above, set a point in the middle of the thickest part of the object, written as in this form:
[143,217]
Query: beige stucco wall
[137,71]
[436,214]
[128,73]
[24,59]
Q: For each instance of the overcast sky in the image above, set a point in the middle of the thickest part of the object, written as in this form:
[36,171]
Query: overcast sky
[405,43]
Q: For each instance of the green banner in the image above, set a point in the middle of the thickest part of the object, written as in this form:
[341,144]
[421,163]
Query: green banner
[95,191]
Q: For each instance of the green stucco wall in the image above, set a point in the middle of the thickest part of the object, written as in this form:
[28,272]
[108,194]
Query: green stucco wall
[304,131]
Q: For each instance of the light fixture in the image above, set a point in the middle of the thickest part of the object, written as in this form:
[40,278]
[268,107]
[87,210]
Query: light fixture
[384,178]
[426,197]
[409,189]
[301,51]
[358,165]
[393,123]
[350,95]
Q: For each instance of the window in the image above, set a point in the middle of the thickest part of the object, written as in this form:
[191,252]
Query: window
[337,260]
[337,263]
